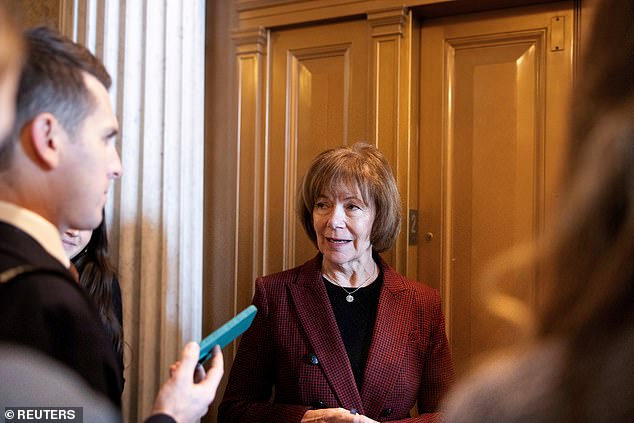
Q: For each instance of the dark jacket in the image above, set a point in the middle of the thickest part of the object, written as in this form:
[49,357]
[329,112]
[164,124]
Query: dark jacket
[48,311]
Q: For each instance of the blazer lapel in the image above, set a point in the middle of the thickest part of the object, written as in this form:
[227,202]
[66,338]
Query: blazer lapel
[318,320]
[389,342]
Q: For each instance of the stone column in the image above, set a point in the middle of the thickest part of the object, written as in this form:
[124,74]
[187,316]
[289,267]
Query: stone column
[154,50]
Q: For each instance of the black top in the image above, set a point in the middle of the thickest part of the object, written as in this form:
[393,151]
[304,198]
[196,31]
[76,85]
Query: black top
[81,261]
[356,321]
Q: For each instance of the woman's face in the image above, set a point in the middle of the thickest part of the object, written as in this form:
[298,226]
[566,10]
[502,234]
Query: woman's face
[74,241]
[343,224]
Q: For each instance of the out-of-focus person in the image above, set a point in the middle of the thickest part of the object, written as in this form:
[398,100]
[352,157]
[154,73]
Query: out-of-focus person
[343,337]
[578,366]
[32,379]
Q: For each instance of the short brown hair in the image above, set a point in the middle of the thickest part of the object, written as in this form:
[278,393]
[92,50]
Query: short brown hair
[52,81]
[362,165]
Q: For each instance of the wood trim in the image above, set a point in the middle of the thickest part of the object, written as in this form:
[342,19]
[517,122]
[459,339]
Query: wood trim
[251,162]
[389,51]
[249,41]
[388,21]
[276,13]
[295,58]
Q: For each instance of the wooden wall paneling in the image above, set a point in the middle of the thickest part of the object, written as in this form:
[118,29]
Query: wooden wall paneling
[409,119]
[394,116]
[559,78]
[584,14]
[318,100]
[220,169]
[30,13]
[251,70]
[490,157]
[495,171]
[387,28]
[432,110]
[317,105]
[276,13]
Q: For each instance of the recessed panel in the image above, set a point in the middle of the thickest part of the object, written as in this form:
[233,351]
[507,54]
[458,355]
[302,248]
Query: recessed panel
[317,99]
[318,122]
[492,164]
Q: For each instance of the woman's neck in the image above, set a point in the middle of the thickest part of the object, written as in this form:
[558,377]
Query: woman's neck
[352,274]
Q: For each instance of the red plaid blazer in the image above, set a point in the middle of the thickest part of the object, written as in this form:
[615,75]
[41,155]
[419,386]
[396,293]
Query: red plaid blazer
[294,345]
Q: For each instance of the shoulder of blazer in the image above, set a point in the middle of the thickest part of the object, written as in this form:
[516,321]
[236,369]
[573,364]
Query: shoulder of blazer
[307,271]
[396,282]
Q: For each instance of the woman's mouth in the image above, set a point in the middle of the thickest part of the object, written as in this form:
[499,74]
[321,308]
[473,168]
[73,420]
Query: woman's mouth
[337,241]
[69,242]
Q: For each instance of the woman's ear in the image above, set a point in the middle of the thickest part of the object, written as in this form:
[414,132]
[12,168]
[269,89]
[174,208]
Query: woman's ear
[45,134]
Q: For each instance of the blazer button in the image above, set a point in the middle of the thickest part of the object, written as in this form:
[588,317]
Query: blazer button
[318,404]
[313,359]
[386,412]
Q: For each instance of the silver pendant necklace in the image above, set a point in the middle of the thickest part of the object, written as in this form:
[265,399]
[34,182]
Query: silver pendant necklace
[350,297]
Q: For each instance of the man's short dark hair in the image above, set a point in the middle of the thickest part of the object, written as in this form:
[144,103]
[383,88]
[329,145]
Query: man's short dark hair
[52,81]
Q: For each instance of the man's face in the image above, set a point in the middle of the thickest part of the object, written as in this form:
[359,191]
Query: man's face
[90,163]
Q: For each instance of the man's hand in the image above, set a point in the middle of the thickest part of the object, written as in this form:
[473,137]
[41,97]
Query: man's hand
[187,394]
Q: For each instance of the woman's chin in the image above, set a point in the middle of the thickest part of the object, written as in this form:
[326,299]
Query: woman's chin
[339,258]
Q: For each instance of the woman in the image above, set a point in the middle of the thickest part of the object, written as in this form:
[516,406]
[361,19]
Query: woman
[88,250]
[342,337]
[578,368]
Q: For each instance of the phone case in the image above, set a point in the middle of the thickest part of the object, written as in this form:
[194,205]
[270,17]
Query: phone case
[227,333]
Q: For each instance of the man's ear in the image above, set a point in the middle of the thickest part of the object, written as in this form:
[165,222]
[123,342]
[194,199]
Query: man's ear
[45,138]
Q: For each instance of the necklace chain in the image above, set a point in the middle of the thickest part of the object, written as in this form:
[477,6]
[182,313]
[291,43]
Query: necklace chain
[350,297]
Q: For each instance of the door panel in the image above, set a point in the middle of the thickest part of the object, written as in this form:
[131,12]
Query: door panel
[318,100]
[493,99]
[320,117]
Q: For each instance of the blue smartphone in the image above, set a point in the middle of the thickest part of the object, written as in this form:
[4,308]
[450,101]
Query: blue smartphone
[226,333]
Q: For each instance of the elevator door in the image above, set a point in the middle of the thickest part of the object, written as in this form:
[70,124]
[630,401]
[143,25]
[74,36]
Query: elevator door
[494,93]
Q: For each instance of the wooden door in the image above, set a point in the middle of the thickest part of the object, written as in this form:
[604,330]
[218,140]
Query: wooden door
[319,98]
[494,91]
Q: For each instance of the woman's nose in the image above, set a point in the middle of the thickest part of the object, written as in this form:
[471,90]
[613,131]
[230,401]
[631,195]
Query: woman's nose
[73,233]
[336,219]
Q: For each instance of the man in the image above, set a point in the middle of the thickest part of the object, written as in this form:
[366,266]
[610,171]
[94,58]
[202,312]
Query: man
[55,172]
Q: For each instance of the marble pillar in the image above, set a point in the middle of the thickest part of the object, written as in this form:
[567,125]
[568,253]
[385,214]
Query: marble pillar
[154,50]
